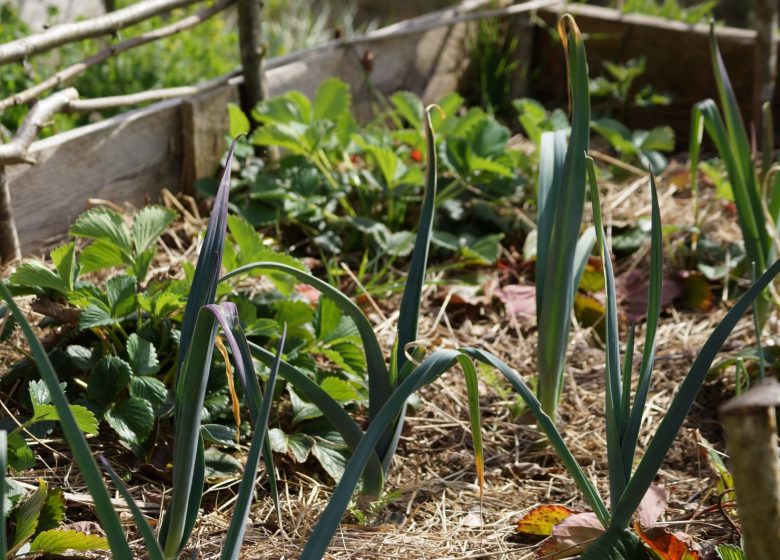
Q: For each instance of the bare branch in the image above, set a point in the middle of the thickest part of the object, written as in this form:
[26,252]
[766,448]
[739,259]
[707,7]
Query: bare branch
[67,74]
[77,31]
[16,150]
[115,101]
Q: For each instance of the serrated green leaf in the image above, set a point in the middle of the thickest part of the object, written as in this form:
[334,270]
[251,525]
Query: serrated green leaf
[301,409]
[333,456]
[80,356]
[339,389]
[96,316]
[64,259]
[58,541]
[326,318]
[35,275]
[132,419]
[150,389]
[101,254]
[120,293]
[142,356]
[20,456]
[220,465]
[53,511]
[28,514]
[219,434]
[109,377]
[410,107]
[103,224]
[149,223]
[39,393]
[142,263]
[85,419]
[292,106]
[332,99]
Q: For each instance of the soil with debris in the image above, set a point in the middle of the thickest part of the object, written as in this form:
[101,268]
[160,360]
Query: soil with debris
[433,508]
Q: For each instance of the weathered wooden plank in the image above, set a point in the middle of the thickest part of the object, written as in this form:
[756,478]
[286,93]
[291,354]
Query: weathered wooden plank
[126,159]
[205,125]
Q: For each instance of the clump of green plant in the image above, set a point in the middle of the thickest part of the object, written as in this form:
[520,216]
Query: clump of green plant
[616,86]
[672,9]
[756,193]
[349,188]
[129,316]
[624,407]
[202,317]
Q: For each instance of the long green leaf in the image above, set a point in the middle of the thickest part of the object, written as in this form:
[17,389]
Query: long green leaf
[237,528]
[706,116]
[552,153]
[204,283]
[653,314]
[226,314]
[472,389]
[433,366]
[190,394]
[589,491]
[619,471]
[82,454]
[373,481]
[682,402]
[409,312]
[152,546]
[558,298]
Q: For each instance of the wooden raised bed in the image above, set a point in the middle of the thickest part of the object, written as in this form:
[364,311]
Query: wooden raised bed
[133,156]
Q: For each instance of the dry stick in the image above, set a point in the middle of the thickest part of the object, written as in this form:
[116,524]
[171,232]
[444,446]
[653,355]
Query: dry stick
[67,74]
[16,152]
[77,31]
[115,101]
[751,439]
[9,239]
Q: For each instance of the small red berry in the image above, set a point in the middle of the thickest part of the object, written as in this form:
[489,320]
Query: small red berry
[416,155]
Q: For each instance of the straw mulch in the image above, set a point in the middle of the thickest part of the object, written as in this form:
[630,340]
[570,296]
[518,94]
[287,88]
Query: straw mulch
[433,507]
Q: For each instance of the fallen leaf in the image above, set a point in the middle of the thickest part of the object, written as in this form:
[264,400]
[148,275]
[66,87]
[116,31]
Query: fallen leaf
[668,545]
[519,302]
[571,536]
[652,506]
[632,289]
[541,520]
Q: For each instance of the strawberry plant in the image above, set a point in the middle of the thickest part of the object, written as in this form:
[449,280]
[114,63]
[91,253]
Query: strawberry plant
[350,187]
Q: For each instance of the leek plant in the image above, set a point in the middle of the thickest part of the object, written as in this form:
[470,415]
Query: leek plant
[756,196]
[383,378]
[624,407]
[560,258]
[202,318]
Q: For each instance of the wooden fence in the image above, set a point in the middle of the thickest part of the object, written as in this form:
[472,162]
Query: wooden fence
[133,156]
